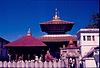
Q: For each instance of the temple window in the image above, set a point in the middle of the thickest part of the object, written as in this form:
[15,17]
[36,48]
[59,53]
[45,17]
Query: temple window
[93,38]
[88,38]
[84,38]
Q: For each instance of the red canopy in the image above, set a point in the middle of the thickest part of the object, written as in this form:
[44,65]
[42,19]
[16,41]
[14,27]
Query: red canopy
[26,41]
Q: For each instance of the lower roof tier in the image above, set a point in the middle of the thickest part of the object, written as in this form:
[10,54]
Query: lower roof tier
[58,38]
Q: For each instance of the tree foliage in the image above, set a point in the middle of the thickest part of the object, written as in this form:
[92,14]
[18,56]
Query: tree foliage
[94,21]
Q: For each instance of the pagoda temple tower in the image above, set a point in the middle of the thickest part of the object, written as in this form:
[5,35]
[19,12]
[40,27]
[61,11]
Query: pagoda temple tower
[56,37]
[62,45]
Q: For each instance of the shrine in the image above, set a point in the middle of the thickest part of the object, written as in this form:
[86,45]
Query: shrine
[26,48]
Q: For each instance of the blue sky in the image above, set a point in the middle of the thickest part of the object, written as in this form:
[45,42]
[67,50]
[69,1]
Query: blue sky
[16,16]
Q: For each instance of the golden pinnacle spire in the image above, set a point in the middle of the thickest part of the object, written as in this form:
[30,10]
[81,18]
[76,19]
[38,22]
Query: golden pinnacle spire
[56,17]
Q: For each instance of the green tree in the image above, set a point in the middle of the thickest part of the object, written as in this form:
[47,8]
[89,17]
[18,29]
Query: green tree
[94,21]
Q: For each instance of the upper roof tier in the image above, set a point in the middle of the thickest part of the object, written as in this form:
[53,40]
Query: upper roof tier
[56,26]
[26,41]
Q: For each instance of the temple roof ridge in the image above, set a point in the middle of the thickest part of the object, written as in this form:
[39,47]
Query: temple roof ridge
[57,35]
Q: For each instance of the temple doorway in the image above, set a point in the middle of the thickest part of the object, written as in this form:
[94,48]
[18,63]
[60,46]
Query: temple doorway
[72,62]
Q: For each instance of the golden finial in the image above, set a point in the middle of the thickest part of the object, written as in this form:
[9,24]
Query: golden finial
[29,32]
[56,17]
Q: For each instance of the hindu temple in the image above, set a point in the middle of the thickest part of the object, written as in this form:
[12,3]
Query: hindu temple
[61,44]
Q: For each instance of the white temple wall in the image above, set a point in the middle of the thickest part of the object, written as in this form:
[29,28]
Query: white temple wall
[87,45]
[90,63]
[85,50]
[86,42]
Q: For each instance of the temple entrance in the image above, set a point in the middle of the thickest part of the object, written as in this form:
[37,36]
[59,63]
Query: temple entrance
[70,55]
[72,62]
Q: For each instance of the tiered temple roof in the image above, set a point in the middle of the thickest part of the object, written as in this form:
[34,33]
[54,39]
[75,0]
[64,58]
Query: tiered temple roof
[58,38]
[56,26]
[26,41]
